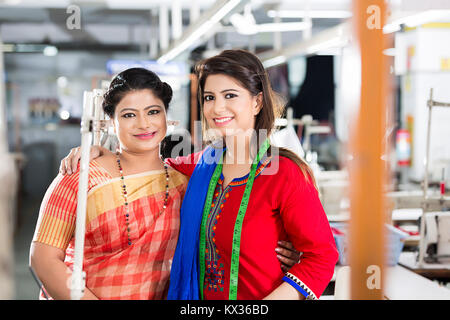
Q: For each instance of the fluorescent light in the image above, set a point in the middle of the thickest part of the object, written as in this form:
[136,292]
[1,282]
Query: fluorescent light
[335,37]
[224,10]
[274,61]
[186,43]
[50,51]
[336,51]
[319,14]
[416,19]
[424,17]
[325,45]
[12,2]
[197,30]
[8,47]
[391,28]
[281,27]
[30,48]
[247,27]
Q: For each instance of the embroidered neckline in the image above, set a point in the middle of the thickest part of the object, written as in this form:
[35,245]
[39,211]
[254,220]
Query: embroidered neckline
[215,268]
[243,180]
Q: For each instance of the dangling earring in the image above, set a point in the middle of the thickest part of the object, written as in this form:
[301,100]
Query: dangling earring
[118,145]
[173,122]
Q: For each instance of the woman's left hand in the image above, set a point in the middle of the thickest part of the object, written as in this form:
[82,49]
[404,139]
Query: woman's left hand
[287,255]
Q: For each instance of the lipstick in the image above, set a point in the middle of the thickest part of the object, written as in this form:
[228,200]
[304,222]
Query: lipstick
[145,136]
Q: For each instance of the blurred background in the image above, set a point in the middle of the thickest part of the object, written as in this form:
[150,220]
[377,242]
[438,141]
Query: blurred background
[52,51]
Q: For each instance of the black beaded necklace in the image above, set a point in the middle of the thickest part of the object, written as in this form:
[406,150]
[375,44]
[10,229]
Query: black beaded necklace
[125,196]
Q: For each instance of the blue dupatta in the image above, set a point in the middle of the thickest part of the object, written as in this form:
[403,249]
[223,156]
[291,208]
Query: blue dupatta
[184,275]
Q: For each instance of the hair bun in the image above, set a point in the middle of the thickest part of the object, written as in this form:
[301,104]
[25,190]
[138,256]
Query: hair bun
[167,90]
[135,79]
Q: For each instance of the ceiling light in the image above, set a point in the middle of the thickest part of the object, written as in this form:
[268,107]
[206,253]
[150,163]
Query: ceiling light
[8,47]
[274,61]
[62,82]
[325,45]
[319,14]
[416,19]
[283,27]
[335,37]
[64,115]
[246,27]
[197,30]
[12,2]
[50,51]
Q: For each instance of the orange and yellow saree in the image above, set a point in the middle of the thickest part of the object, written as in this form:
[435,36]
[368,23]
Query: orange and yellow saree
[114,269]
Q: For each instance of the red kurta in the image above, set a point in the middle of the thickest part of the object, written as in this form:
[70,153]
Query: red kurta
[283,205]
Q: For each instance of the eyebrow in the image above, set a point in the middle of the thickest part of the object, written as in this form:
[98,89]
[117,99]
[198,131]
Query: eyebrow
[132,109]
[226,90]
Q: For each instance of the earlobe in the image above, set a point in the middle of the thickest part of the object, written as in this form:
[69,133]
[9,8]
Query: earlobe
[257,110]
[258,105]
[113,125]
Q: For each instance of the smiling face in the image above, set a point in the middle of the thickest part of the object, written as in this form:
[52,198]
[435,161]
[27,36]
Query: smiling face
[140,121]
[228,107]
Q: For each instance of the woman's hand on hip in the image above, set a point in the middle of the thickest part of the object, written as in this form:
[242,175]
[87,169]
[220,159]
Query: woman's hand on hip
[287,255]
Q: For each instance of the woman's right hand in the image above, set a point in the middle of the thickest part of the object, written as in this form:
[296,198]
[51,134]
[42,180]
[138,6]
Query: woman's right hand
[70,163]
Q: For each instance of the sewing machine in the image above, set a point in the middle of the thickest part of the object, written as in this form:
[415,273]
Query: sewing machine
[434,227]
[437,237]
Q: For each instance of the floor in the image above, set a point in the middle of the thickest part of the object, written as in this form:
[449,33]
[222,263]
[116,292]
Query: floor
[25,285]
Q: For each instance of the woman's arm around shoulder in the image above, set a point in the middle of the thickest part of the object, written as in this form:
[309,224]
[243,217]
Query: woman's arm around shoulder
[184,164]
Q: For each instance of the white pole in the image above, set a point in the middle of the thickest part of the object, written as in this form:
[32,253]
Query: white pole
[153,39]
[194,11]
[308,31]
[163,27]
[422,248]
[78,275]
[98,116]
[177,20]
[277,37]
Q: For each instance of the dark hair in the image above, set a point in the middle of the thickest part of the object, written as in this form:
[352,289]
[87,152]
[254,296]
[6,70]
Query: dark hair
[135,79]
[249,71]
[246,68]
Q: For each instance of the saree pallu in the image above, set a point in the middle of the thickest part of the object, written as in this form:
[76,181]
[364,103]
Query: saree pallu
[114,269]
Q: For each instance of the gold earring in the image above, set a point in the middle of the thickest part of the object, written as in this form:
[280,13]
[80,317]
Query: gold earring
[173,122]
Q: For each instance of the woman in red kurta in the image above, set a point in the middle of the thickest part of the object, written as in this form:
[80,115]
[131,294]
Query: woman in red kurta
[263,194]
[282,206]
